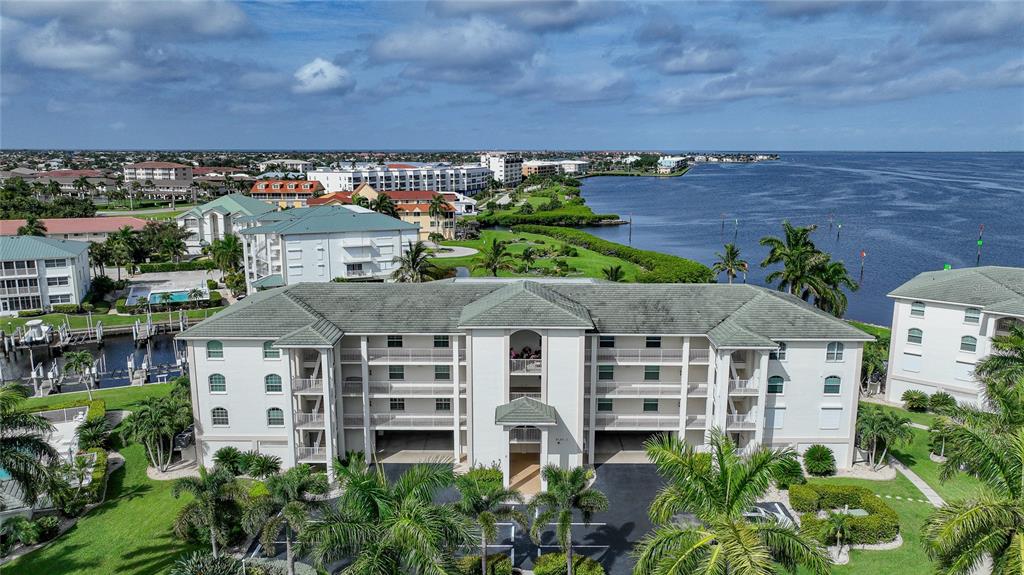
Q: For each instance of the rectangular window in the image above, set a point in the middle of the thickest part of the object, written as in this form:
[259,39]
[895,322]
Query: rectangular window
[396,372]
[650,405]
[605,372]
[911,362]
[442,341]
[443,404]
[830,417]
[652,373]
[964,371]
[606,341]
[55,263]
[394,341]
[605,404]
[653,341]
[397,404]
[775,417]
[58,281]
[442,372]
[63,298]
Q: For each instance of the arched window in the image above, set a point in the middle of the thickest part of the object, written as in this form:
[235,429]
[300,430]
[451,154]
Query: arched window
[972,315]
[269,351]
[218,384]
[776,384]
[219,416]
[834,352]
[275,417]
[272,383]
[915,335]
[214,349]
[968,344]
[917,309]
[832,385]
[779,354]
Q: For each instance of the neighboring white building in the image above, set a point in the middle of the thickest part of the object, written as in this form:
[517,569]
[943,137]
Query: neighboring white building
[463,204]
[506,166]
[669,164]
[289,165]
[321,243]
[213,220]
[154,171]
[36,273]
[574,167]
[943,323]
[519,373]
[467,179]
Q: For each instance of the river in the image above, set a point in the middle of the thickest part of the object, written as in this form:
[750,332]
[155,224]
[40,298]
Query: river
[910,212]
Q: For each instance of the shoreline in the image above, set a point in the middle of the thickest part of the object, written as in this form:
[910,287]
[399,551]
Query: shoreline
[635,175]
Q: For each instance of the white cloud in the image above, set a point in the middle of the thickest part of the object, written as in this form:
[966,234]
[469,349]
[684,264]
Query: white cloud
[52,47]
[322,76]
[537,15]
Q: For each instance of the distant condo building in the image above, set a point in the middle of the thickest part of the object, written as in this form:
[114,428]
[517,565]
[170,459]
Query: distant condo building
[540,168]
[319,244]
[157,172]
[669,164]
[213,220]
[574,167]
[286,193]
[413,206]
[37,273]
[942,325]
[468,179]
[507,166]
[286,165]
[518,373]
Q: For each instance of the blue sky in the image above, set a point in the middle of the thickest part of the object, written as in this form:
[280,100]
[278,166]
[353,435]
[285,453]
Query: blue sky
[814,75]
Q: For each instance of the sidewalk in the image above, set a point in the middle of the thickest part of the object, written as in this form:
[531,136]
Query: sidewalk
[923,487]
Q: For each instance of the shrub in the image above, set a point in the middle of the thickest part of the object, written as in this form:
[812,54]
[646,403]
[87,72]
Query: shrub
[660,268]
[97,485]
[66,308]
[486,474]
[915,400]
[230,458]
[564,216]
[554,564]
[100,286]
[497,564]
[120,305]
[177,267]
[87,307]
[819,460]
[881,524]
[30,313]
[48,527]
[803,498]
[941,402]
[216,299]
[211,285]
[23,529]
[793,475]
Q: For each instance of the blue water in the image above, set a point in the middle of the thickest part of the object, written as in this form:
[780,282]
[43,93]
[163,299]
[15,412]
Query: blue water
[910,212]
[4,475]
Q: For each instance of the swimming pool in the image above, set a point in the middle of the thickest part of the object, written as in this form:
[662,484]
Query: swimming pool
[4,475]
[157,296]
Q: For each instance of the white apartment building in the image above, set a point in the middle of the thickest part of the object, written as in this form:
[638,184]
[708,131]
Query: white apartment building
[574,167]
[36,273]
[213,220]
[156,171]
[287,164]
[468,179]
[943,323]
[506,166]
[321,243]
[519,373]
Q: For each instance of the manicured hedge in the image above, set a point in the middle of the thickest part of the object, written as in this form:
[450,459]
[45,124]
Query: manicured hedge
[880,525]
[660,268]
[30,313]
[66,308]
[97,407]
[554,564]
[177,267]
[99,475]
[574,215]
[497,564]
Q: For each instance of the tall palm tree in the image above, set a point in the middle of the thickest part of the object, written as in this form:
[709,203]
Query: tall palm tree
[528,255]
[166,298]
[567,493]
[729,262]
[80,362]
[226,253]
[287,505]
[886,428]
[961,534]
[194,295]
[834,278]
[154,423]
[388,527]
[33,227]
[494,257]
[437,211]
[99,253]
[717,487]
[486,503]
[212,491]
[1006,362]
[613,273]
[414,265]
[383,204]
[23,445]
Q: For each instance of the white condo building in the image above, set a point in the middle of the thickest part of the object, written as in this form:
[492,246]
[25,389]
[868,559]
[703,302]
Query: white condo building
[36,272]
[321,243]
[519,373]
[158,171]
[506,166]
[218,218]
[943,323]
[468,179]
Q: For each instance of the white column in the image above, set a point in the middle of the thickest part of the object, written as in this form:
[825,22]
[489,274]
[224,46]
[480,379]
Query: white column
[327,372]
[684,381]
[469,399]
[592,435]
[456,376]
[723,364]
[761,377]
[364,356]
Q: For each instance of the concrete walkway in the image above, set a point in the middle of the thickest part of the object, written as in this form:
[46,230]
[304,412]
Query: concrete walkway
[923,487]
[454,252]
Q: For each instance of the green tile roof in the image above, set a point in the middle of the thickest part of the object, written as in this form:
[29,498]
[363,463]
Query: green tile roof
[992,288]
[320,334]
[525,411]
[271,281]
[730,315]
[37,248]
[232,204]
[329,219]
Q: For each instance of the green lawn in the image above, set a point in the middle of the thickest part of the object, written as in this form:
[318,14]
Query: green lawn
[79,321]
[129,534]
[588,263]
[163,215]
[922,418]
[115,398]
[875,330]
[915,456]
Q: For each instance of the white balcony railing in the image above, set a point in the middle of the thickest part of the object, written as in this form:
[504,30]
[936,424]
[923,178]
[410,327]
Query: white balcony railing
[30,290]
[311,454]
[517,394]
[611,421]
[412,354]
[18,272]
[743,386]
[637,389]
[411,421]
[741,421]
[410,389]
[353,420]
[696,422]
[303,419]
[701,355]
[357,273]
[530,366]
[640,355]
[697,389]
[311,385]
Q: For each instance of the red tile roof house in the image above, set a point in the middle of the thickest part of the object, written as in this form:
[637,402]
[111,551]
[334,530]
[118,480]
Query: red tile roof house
[287,193]
[82,229]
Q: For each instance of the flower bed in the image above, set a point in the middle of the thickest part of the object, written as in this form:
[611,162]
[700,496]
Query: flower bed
[881,524]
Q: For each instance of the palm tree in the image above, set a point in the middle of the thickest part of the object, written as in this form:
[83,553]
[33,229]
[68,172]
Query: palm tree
[837,525]
[718,486]
[834,276]
[414,265]
[613,273]
[383,204]
[799,258]
[94,432]
[486,503]
[194,295]
[154,424]
[961,534]
[361,201]
[173,248]
[882,427]
[567,492]
[226,253]
[288,505]
[33,227]
[388,527]
[729,263]
[212,491]
[528,255]
[99,253]
[437,211]
[263,465]
[80,362]
[494,257]
[1006,363]
[23,444]
[166,298]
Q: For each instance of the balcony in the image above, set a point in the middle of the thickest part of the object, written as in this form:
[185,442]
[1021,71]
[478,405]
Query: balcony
[611,421]
[311,454]
[409,389]
[641,356]
[696,422]
[697,389]
[305,420]
[16,272]
[525,366]
[412,355]
[637,389]
[414,422]
[29,290]
[743,386]
[308,386]
[741,421]
[699,355]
